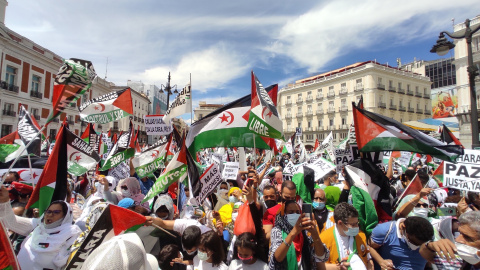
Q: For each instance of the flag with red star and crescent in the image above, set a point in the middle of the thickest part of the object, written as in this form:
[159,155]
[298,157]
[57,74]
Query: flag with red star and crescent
[107,108]
[81,155]
[151,159]
[264,118]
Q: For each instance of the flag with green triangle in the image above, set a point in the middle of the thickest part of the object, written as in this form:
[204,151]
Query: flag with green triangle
[82,157]
[151,159]
[107,108]
[121,151]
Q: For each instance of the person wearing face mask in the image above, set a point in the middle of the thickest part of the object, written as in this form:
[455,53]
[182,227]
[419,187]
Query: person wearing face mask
[130,188]
[320,210]
[396,244]
[414,205]
[246,251]
[291,246]
[288,192]
[222,195]
[347,244]
[210,253]
[48,239]
[269,197]
[463,252]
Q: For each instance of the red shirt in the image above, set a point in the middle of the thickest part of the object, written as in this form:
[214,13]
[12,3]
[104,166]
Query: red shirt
[270,214]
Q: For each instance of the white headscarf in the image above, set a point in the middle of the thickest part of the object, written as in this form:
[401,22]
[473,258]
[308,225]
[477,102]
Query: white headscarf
[113,181]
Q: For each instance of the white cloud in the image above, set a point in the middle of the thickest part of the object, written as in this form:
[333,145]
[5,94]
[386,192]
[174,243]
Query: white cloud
[335,29]
[211,68]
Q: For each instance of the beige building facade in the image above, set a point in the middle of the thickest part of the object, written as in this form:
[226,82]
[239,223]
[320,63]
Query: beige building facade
[323,103]
[204,109]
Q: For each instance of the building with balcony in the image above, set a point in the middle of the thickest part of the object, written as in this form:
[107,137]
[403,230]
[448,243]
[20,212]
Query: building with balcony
[327,99]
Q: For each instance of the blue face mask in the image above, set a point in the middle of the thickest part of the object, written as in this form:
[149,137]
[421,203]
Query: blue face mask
[318,206]
[352,231]
[233,199]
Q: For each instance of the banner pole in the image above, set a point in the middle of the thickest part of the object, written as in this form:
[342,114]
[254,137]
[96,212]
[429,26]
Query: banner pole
[18,157]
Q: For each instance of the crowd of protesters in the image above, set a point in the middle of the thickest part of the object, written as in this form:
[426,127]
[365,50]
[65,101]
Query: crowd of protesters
[437,228]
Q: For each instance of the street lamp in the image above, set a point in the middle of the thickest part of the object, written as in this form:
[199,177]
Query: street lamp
[168,89]
[442,47]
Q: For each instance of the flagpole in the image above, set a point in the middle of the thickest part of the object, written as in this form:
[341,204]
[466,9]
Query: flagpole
[191,100]
[18,157]
[31,171]
[254,152]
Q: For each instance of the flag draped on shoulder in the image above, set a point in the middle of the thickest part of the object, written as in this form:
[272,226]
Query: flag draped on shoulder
[73,79]
[114,220]
[181,104]
[375,132]
[52,184]
[121,150]
[107,108]
[151,159]
[264,118]
[82,157]
[176,171]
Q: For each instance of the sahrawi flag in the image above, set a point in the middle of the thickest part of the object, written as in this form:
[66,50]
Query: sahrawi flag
[121,151]
[52,184]
[107,108]
[180,105]
[228,126]
[73,79]
[11,146]
[114,220]
[264,118]
[176,171]
[82,157]
[375,132]
[151,159]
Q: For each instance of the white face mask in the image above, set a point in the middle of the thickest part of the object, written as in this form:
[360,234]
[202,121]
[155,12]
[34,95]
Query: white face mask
[292,219]
[234,216]
[410,245]
[98,186]
[468,253]
[420,212]
[126,193]
[203,256]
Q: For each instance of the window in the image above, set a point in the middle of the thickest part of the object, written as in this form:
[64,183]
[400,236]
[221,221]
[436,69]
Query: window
[115,125]
[35,113]
[53,134]
[399,85]
[359,81]
[6,129]
[344,121]
[135,103]
[10,75]
[408,87]
[8,107]
[320,123]
[400,103]
[331,105]
[343,86]
[36,80]
[390,83]
[331,122]
[309,108]
[309,124]
[380,80]
[391,101]
[344,102]
[380,98]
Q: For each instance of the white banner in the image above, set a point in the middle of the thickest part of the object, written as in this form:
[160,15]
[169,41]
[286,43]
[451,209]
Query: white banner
[230,171]
[121,171]
[154,125]
[321,167]
[466,169]
[181,104]
[209,180]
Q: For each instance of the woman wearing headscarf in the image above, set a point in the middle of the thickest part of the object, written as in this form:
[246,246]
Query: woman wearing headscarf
[234,196]
[291,247]
[49,238]
[109,183]
[130,188]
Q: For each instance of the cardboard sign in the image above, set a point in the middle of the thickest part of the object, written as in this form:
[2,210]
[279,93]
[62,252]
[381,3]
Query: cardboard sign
[321,167]
[230,170]
[209,180]
[342,158]
[375,157]
[154,125]
[464,174]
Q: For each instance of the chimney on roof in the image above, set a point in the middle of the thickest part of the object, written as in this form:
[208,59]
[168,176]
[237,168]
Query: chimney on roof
[3,9]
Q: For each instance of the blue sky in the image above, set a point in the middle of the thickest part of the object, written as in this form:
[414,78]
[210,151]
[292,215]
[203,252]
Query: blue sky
[219,42]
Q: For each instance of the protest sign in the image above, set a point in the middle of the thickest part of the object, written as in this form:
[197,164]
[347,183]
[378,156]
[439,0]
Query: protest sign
[230,170]
[217,159]
[154,125]
[321,167]
[288,168]
[262,167]
[375,157]
[209,180]
[121,171]
[343,157]
[463,174]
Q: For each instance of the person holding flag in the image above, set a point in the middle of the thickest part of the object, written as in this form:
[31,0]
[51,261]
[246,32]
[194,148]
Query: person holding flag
[49,238]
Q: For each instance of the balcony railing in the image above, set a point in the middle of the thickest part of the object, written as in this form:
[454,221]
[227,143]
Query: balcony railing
[319,96]
[299,114]
[418,94]
[428,112]
[331,110]
[392,89]
[9,113]
[309,98]
[343,91]
[392,107]
[331,94]
[309,113]
[426,96]
[381,86]
[320,128]
[344,108]
[420,111]
[9,87]
[36,94]
[401,91]
[289,102]
[309,129]
[409,93]
[411,110]
[382,105]
[299,101]
[402,108]
[358,88]
[37,117]
[288,116]
[320,111]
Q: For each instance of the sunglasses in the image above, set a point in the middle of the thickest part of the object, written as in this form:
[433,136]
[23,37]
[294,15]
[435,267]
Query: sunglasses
[54,212]
[422,205]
